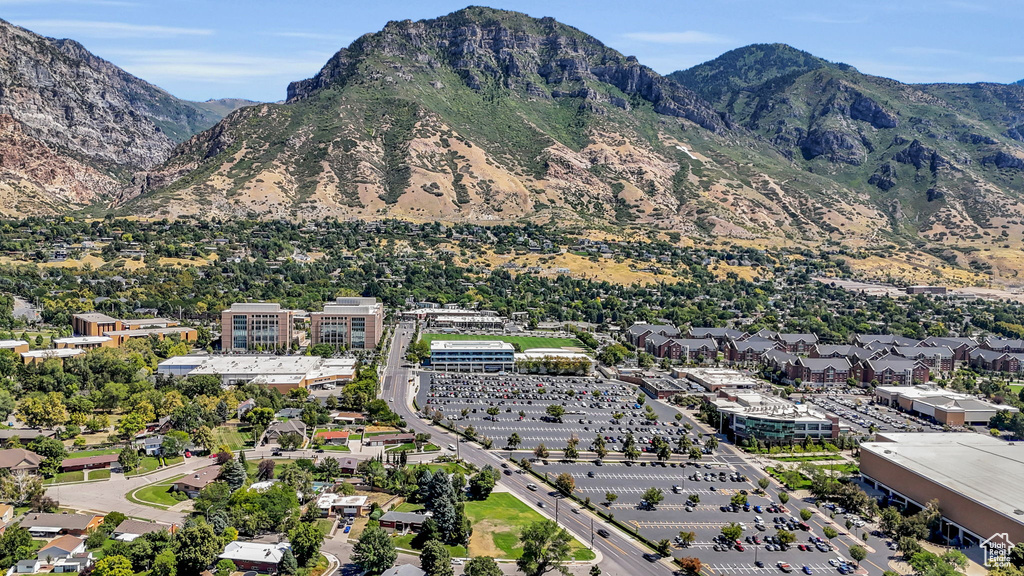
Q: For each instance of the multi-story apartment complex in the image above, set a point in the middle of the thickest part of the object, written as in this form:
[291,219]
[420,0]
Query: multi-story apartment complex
[353,323]
[258,326]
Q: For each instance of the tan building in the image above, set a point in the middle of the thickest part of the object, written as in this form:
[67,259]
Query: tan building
[353,323]
[16,346]
[90,328]
[84,342]
[94,324]
[973,476]
[184,333]
[261,326]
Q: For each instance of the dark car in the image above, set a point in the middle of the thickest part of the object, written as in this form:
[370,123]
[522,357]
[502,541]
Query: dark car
[652,557]
[603,533]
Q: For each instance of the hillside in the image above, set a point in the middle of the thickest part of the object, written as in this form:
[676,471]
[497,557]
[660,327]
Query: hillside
[75,127]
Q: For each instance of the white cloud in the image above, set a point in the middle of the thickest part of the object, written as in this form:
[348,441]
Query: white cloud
[685,37]
[100,29]
[192,65]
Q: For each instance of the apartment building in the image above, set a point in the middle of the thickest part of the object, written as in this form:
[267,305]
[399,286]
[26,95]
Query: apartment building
[257,326]
[353,323]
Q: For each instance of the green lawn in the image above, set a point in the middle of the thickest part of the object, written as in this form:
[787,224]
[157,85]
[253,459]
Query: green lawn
[450,468]
[99,474]
[233,436]
[155,495]
[86,453]
[405,542]
[525,342]
[76,476]
[822,458]
[408,507]
[146,465]
[330,447]
[324,525]
[372,434]
[501,518]
[791,479]
[1016,388]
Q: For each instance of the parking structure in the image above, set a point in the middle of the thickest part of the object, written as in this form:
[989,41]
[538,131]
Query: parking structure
[590,405]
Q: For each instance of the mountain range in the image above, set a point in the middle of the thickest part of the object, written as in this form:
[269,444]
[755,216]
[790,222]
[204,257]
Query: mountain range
[487,115]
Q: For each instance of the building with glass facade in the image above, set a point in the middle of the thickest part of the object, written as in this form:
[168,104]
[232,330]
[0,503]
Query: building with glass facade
[256,327]
[350,323]
[770,419]
[472,356]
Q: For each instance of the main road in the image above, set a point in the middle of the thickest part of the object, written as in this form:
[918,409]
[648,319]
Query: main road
[619,555]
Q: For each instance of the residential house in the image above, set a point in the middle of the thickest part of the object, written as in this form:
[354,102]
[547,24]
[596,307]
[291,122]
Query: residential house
[130,529]
[42,524]
[402,522]
[25,435]
[151,444]
[349,417]
[819,370]
[778,359]
[336,504]
[892,371]
[637,334]
[961,347]
[750,350]
[263,558]
[6,514]
[797,343]
[388,439]
[403,570]
[88,462]
[280,427]
[940,358]
[30,566]
[61,547]
[333,437]
[20,460]
[244,407]
[192,484]
[348,465]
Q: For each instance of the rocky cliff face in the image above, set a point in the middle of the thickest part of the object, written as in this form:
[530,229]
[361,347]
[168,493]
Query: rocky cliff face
[91,117]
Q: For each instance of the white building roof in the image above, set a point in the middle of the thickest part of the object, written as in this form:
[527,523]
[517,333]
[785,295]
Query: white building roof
[749,403]
[79,340]
[977,466]
[470,345]
[53,353]
[4,344]
[331,500]
[255,552]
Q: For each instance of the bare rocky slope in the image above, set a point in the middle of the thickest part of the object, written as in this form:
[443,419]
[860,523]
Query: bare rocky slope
[74,127]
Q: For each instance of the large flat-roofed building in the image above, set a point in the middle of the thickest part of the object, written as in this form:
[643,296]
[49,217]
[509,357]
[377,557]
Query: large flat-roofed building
[973,476]
[93,324]
[714,379]
[467,322]
[34,356]
[184,333]
[771,419]
[16,346]
[472,356]
[260,326]
[354,323]
[84,342]
[940,405]
[281,372]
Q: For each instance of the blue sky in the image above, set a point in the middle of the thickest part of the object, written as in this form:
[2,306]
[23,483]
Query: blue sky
[253,48]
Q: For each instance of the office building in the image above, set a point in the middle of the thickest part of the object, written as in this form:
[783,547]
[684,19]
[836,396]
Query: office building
[259,326]
[771,419]
[281,372]
[472,356]
[352,323]
[973,476]
[940,405]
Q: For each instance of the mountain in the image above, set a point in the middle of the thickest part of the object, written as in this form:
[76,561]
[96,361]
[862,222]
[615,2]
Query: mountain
[486,115]
[74,127]
[1019,82]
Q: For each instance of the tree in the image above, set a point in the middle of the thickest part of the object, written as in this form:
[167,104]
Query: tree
[783,497]
[96,539]
[374,552]
[514,441]
[428,531]
[52,450]
[738,499]
[261,417]
[805,514]
[20,487]
[732,531]
[695,453]
[174,443]
[829,532]
[556,411]
[687,538]
[908,546]
[265,469]
[113,566]
[482,483]
[165,564]
[290,440]
[306,540]
[571,452]
[690,564]
[44,411]
[482,566]
[225,567]
[598,446]
[785,536]
[130,425]
[565,483]
[435,560]
[195,547]
[610,497]
[540,451]
[653,496]
[234,474]
[595,570]
[129,459]
[202,437]
[289,565]
[545,548]
[663,547]
[763,482]
[858,553]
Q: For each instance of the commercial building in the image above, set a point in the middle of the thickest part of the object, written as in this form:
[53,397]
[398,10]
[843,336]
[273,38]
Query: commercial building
[90,327]
[261,326]
[184,333]
[84,342]
[940,405]
[714,379]
[476,322]
[472,356]
[353,323]
[971,475]
[16,346]
[281,372]
[771,419]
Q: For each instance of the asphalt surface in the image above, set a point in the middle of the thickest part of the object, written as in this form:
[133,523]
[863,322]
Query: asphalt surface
[619,555]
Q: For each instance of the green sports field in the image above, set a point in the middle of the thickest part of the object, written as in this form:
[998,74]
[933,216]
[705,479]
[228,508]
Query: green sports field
[525,342]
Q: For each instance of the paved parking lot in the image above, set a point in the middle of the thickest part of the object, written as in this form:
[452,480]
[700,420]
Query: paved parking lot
[861,415]
[522,400]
